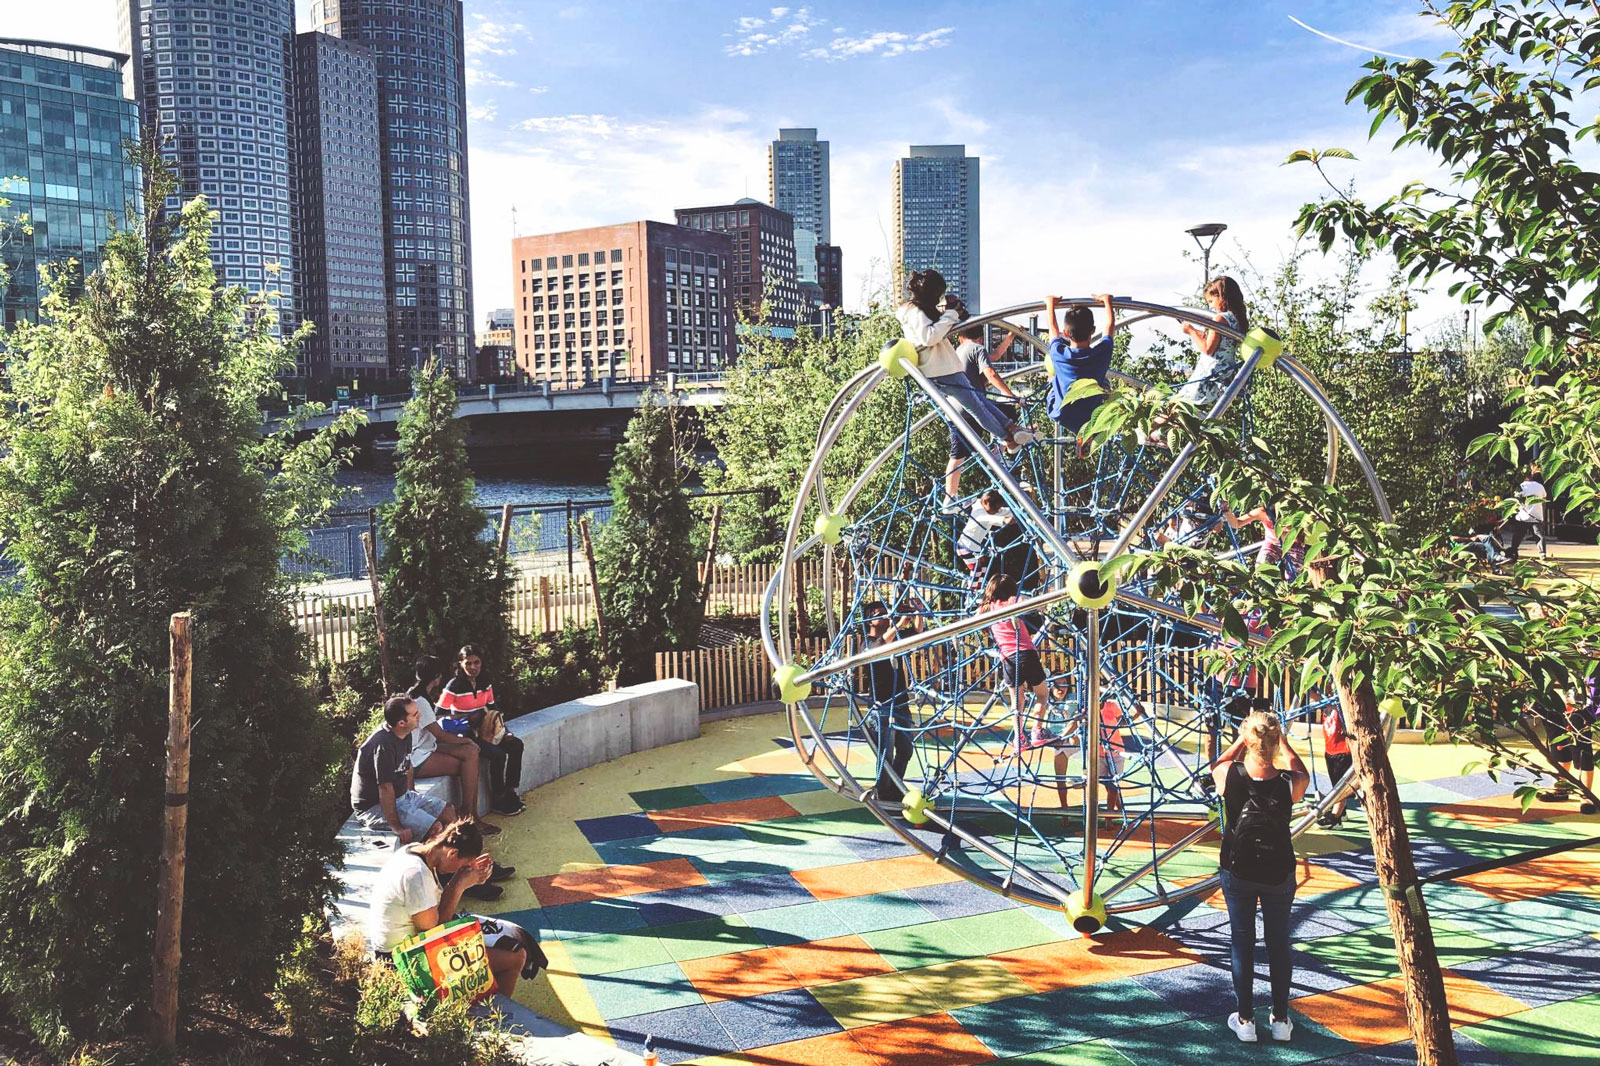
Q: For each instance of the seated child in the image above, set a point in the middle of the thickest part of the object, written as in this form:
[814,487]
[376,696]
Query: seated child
[1218,361]
[1073,358]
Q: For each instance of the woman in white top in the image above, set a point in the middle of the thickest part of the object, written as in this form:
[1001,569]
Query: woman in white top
[927,318]
[437,753]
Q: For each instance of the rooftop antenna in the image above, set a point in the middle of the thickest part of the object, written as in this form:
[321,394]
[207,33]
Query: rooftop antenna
[514,232]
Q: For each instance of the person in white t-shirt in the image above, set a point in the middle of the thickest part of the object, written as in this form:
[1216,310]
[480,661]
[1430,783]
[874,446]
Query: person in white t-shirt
[1529,516]
[407,897]
[437,753]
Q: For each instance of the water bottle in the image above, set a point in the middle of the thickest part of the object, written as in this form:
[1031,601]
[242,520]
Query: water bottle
[650,1056]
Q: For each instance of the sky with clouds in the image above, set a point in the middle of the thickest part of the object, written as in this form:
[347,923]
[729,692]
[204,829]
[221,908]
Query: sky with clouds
[1105,130]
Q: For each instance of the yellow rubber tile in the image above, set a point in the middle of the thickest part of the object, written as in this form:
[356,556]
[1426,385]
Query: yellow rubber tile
[873,1000]
[820,801]
[967,983]
[559,994]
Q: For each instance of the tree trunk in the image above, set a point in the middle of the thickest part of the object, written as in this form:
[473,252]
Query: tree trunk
[594,587]
[174,840]
[711,558]
[370,546]
[1427,1013]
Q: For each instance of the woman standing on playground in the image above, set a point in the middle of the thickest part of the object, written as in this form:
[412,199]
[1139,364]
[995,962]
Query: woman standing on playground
[927,318]
[1218,362]
[1258,862]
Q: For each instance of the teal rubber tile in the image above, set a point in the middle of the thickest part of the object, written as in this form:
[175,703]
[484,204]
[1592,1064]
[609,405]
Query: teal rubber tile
[796,924]
[758,787]
[1369,955]
[737,866]
[591,916]
[1528,922]
[911,946]
[1210,1041]
[812,855]
[1426,792]
[610,952]
[1075,1015]
[722,935]
[624,993]
[1094,1053]
[865,914]
[1005,931]
[1562,1034]
[668,799]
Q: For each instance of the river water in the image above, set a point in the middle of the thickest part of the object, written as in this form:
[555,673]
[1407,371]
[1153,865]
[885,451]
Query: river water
[369,488]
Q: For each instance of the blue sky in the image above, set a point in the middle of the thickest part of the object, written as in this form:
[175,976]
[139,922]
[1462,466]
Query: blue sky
[1105,129]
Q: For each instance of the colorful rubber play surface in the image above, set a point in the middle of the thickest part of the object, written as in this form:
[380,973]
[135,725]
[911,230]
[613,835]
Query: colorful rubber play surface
[713,895]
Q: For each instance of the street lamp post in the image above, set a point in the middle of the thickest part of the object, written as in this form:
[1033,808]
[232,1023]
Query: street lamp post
[1208,234]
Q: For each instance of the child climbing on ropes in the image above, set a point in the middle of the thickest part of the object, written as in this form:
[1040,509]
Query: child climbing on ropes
[1219,354]
[1073,358]
[1270,548]
[927,318]
[980,375]
[1113,745]
[1019,661]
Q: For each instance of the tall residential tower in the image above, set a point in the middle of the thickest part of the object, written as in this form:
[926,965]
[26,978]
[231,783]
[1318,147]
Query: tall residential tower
[422,106]
[212,78]
[63,121]
[797,178]
[936,217]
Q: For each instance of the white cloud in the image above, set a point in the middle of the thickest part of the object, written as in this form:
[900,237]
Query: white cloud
[886,43]
[478,77]
[482,112]
[779,28]
[487,37]
[603,127]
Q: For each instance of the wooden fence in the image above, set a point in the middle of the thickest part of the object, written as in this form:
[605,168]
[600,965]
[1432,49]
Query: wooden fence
[540,603]
[729,676]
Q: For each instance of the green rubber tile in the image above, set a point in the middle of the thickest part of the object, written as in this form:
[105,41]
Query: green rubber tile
[1029,1024]
[1095,1053]
[1209,1041]
[1369,955]
[610,952]
[722,935]
[766,861]
[812,827]
[1562,1034]
[668,799]
[797,924]
[1003,931]
[624,993]
[911,946]
[865,914]
[1527,922]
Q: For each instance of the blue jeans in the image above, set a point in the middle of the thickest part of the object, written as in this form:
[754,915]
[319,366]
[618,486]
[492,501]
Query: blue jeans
[1241,896]
[983,410]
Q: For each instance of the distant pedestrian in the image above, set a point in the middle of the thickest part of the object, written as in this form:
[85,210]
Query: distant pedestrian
[1258,863]
[1528,520]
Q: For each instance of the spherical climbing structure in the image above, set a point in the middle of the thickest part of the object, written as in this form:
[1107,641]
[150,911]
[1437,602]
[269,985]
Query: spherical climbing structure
[1098,799]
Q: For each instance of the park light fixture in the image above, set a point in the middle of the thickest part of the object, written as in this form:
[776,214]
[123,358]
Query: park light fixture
[1205,237]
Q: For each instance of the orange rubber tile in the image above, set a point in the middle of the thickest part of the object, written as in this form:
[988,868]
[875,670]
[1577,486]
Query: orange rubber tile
[747,973]
[915,871]
[822,962]
[1376,1013]
[1498,810]
[843,882]
[929,1040]
[1088,961]
[612,881]
[1567,872]
[835,1049]
[734,812]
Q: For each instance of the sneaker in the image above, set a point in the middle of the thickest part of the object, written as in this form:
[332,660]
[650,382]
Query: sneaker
[1587,808]
[1280,1030]
[490,892]
[501,873]
[1039,737]
[509,804]
[1021,436]
[951,506]
[1244,1030]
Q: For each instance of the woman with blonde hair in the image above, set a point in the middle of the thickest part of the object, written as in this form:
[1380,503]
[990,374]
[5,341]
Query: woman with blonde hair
[1258,799]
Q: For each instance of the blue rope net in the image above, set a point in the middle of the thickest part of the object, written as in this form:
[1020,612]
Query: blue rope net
[1006,789]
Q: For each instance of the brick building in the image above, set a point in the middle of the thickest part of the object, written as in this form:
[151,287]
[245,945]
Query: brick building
[762,262]
[628,302]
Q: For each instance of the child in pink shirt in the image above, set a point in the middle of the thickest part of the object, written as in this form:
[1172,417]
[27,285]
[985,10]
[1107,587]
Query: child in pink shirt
[1019,659]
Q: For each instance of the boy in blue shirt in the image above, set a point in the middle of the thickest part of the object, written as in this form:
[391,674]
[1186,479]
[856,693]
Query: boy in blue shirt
[1073,359]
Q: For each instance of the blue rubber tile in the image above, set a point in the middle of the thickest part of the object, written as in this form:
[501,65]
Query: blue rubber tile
[797,924]
[1207,1040]
[590,916]
[617,827]
[958,899]
[1198,991]
[646,990]
[687,904]
[867,914]
[1025,1024]
[1307,921]
[755,894]
[1479,786]
[1538,976]
[657,914]
[1431,856]
[775,1018]
[680,1034]
[869,847]
[758,787]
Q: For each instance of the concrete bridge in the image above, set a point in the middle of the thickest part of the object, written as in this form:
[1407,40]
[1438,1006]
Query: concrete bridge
[484,401]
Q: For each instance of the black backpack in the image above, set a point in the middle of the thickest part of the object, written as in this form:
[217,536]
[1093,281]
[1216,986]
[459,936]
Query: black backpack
[1259,847]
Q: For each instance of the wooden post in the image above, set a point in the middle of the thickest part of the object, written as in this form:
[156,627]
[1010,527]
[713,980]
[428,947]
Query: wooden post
[709,568]
[174,836]
[369,545]
[1427,1012]
[594,581]
[546,608]
[505,535]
